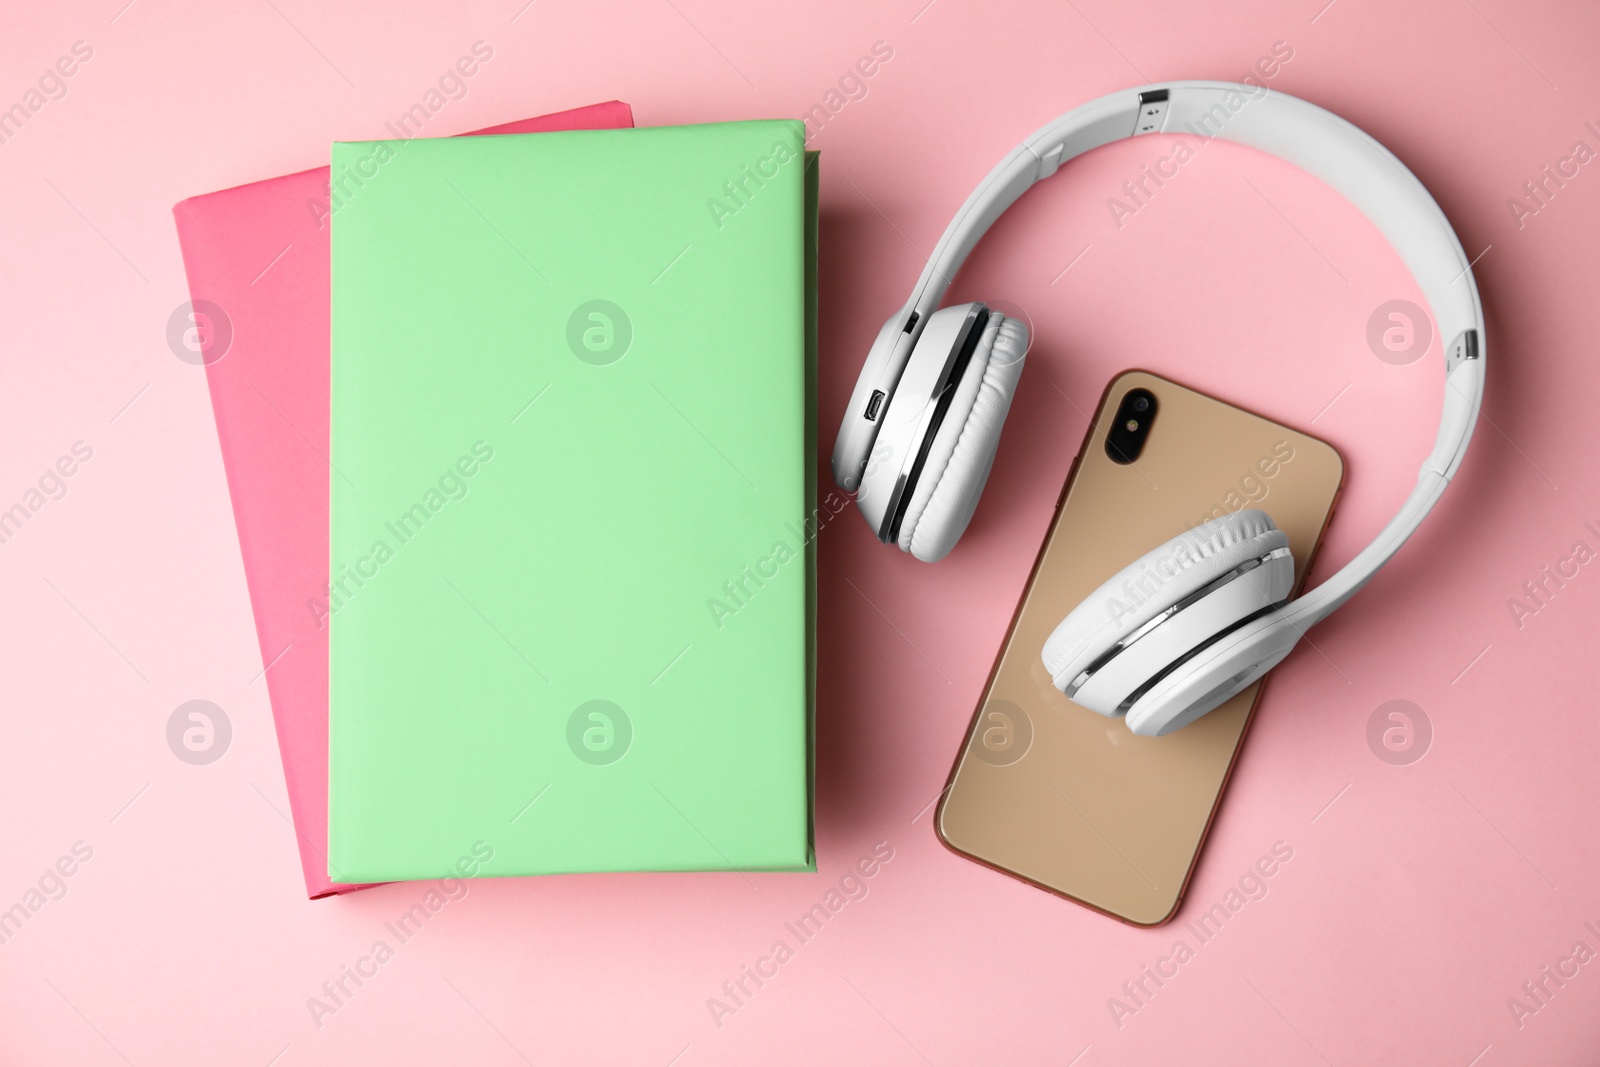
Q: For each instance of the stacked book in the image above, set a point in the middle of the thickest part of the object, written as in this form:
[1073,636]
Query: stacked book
[518,432]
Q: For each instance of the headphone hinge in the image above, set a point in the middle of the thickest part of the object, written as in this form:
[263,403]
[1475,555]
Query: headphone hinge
[1050,162]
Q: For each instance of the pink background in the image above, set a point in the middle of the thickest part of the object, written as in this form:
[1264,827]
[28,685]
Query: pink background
[1419,898]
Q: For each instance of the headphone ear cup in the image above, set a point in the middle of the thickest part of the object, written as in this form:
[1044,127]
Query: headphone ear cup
[1219,673]
[1165,607]
[962,451]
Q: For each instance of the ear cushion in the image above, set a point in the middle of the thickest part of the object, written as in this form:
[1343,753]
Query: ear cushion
[963,449]
[1152,584]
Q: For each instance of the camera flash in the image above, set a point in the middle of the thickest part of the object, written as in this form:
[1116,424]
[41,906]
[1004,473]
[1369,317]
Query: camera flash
[1132,424]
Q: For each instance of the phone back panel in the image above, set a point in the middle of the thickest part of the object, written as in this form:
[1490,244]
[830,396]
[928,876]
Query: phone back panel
[1063,797]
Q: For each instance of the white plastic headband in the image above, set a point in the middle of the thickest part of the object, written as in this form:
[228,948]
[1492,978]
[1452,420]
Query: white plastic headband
[1329,148]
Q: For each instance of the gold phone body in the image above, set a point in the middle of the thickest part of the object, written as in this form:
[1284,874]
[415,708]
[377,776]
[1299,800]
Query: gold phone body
[1070,800]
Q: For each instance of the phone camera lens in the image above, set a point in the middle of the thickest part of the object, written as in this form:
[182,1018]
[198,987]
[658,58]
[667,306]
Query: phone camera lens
[1126,437]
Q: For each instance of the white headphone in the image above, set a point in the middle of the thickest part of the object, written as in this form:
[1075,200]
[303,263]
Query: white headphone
[919,436]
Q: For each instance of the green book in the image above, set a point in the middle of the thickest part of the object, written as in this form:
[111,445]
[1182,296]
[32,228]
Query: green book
[573,504]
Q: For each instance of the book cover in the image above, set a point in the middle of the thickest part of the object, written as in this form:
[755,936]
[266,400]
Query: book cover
[572,521]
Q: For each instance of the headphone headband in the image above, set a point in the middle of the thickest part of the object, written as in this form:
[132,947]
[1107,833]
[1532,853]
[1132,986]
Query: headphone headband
[1329,148]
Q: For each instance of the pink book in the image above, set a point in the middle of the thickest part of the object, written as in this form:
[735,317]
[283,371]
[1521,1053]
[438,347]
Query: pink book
[257,261]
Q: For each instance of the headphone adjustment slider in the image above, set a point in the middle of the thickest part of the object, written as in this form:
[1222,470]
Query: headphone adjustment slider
[1152,112]
[1463,348]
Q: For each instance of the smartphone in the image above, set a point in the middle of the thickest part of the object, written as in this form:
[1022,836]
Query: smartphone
[1058,795]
